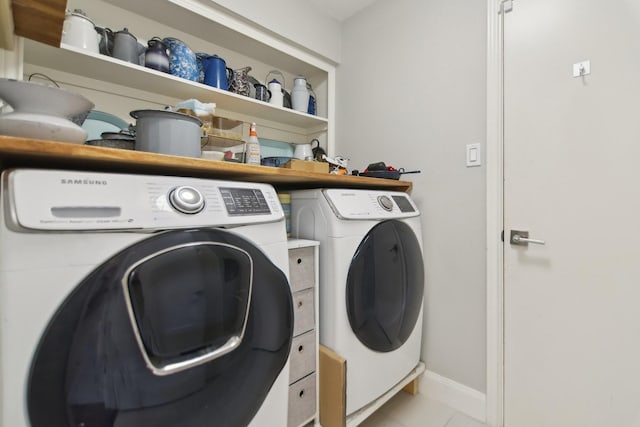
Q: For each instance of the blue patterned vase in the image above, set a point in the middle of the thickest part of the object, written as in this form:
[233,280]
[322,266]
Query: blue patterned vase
[182,60]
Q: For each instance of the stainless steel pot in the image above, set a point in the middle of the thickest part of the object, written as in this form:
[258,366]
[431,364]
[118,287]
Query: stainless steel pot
[167,132]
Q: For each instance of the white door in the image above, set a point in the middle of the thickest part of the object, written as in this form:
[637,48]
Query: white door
[572,179]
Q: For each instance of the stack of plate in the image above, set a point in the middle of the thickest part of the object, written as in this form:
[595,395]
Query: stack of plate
[107,130]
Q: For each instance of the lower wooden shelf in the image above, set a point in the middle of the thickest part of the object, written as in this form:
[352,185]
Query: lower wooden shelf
[22,152]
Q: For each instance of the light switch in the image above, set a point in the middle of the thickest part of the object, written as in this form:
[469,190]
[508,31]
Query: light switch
[473,155]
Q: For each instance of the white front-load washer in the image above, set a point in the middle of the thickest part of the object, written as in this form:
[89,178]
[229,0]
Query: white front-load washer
[132,300]
[371,283]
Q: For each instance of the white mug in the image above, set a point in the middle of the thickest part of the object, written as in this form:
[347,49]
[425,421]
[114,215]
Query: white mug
[303,152]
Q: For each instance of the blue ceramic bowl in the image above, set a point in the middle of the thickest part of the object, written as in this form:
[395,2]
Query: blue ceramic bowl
[182,60]
[274,161]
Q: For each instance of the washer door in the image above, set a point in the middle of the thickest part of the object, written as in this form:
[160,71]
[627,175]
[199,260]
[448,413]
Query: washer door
[385,285]
[186,328]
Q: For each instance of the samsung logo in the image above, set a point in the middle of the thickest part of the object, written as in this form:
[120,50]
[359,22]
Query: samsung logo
[83,181]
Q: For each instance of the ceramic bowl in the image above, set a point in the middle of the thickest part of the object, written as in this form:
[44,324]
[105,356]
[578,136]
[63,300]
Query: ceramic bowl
[123,144]
[274,161]
[38,98]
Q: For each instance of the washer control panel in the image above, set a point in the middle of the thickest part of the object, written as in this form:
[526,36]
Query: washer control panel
[72,200]
[370,204]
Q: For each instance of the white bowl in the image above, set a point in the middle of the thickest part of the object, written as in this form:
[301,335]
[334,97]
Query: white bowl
[38,98]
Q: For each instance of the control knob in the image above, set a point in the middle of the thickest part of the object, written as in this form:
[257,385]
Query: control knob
[186,199]
[386,203]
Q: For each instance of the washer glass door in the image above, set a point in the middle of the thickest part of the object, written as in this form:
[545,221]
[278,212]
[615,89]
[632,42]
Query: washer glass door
[185,328]
[385,285]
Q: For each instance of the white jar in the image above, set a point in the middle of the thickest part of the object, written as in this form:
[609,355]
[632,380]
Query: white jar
[277,97]
[300,95]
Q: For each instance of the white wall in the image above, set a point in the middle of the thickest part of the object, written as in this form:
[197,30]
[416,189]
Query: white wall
[297,21]
[411,93]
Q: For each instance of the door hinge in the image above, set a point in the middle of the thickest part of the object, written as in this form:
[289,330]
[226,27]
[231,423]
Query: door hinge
[502,236]
[506,6]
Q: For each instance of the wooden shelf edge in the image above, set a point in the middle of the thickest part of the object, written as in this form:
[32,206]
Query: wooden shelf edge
[6,25]
[39,20]
[23,152]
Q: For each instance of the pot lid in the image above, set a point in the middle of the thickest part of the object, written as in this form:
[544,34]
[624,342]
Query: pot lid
[126,32]
[167,114]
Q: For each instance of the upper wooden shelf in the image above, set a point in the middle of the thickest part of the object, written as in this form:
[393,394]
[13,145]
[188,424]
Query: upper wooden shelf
[22,152]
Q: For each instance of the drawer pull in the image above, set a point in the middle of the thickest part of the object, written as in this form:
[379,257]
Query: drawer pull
[301,393]
[300,348]
[299,304]
[299,260]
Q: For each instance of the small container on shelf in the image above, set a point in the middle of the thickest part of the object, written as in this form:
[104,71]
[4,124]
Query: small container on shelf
[221,132]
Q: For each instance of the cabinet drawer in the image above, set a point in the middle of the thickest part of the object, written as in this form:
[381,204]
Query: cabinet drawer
[301,270]
[303,312]
[302,401]
[303,356]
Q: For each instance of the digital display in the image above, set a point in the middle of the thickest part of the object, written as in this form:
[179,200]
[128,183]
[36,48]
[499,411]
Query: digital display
[403,203]
[244,201]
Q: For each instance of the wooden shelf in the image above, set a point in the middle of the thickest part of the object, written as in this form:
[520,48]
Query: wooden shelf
[23,152]
[39,20]
[105,68]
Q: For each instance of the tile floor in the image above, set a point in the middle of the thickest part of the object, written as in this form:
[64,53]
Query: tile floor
[404,410]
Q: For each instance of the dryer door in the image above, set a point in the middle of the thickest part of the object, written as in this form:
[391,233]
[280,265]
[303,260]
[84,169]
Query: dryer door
[186,328]
[385,285]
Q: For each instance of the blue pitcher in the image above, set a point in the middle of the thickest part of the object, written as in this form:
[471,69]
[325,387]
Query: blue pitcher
[182,60]
[215,71]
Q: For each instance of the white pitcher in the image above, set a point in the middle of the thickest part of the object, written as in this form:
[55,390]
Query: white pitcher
[78,30]
[300,95]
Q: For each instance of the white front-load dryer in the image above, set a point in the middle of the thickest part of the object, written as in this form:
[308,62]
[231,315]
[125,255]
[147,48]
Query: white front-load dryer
[371,283]
[132,300]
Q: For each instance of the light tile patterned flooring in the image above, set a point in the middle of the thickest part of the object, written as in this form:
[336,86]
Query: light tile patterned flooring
[404,410]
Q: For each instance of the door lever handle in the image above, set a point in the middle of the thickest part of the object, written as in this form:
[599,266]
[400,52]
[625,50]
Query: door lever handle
[521,238]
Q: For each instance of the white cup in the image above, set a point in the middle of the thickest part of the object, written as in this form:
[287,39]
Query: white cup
[303,152]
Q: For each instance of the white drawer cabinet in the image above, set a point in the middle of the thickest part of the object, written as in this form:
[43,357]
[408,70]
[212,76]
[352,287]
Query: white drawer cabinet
[303,366]
[304,311]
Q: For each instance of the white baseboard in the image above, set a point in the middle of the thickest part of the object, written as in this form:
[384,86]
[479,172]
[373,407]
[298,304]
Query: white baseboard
[457,396]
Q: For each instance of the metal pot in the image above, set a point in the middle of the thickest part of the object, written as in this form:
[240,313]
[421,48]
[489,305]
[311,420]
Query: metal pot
[167,132]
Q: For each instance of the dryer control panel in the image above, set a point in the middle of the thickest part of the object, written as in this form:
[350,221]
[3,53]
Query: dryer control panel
[370,204]
[72,200]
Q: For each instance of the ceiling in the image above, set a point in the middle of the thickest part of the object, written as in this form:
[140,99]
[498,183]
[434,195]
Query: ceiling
[341,9]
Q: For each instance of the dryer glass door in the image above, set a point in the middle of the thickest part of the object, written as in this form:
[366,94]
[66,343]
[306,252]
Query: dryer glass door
[137,343]
[385,285]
